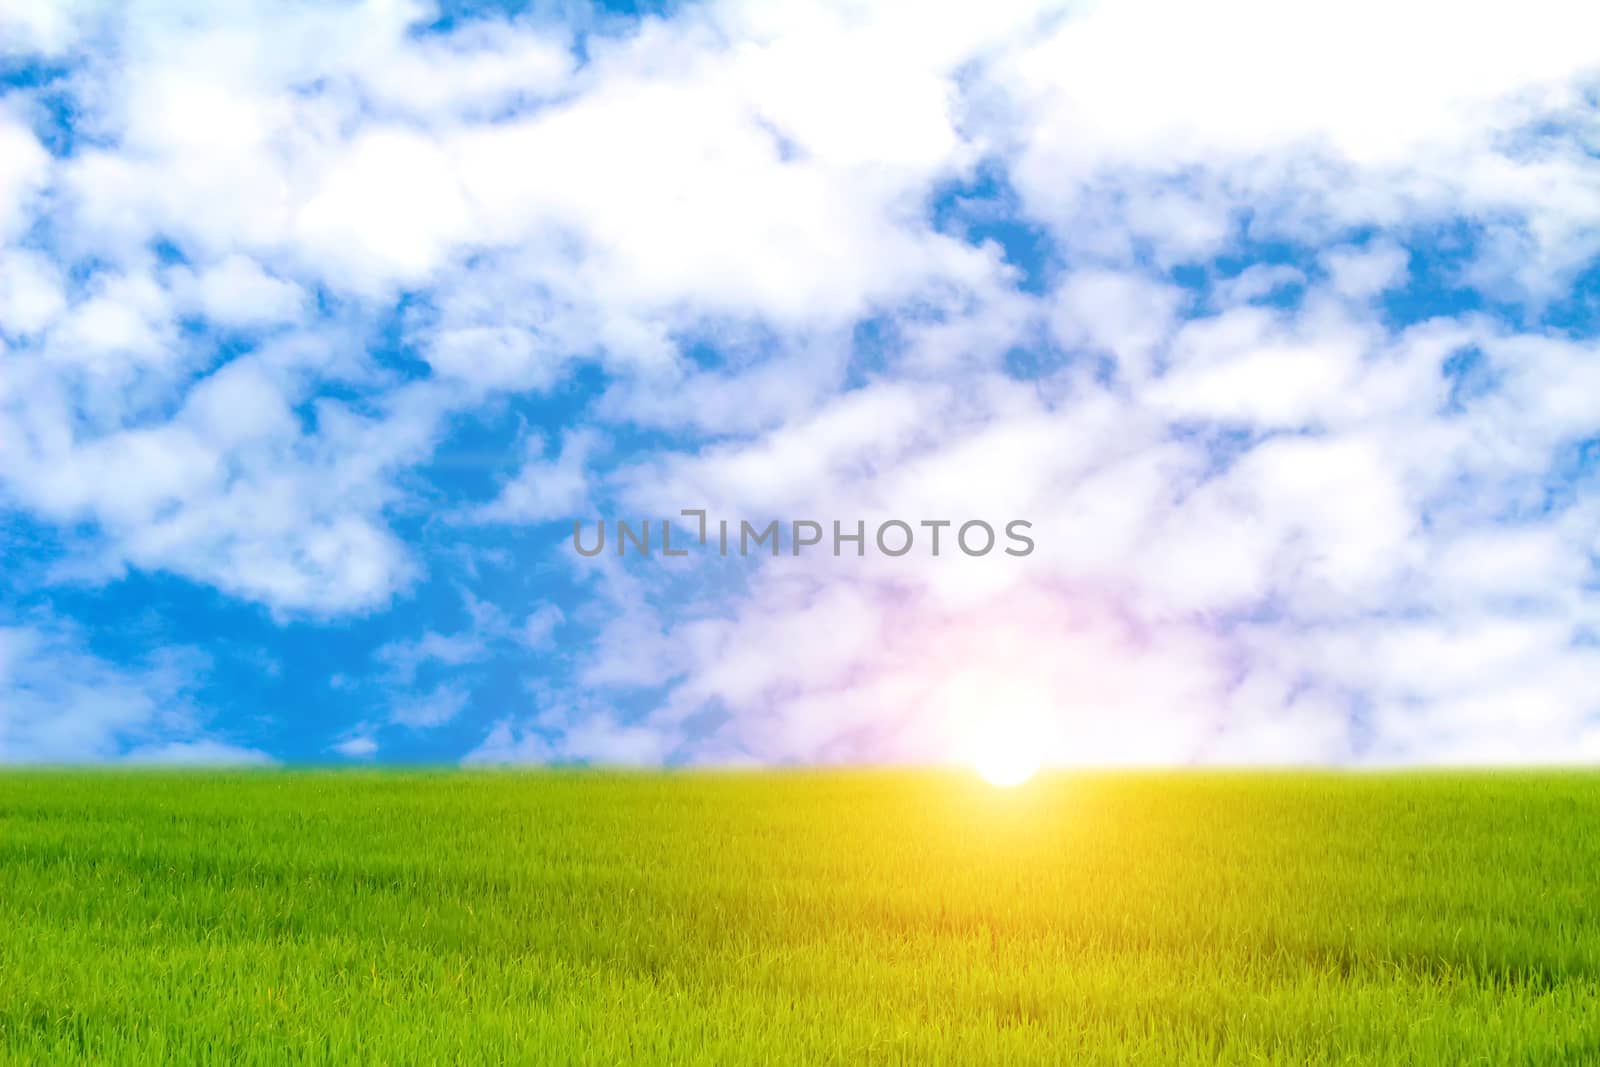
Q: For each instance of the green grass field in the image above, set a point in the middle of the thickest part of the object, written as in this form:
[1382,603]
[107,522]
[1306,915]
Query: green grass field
[432,918]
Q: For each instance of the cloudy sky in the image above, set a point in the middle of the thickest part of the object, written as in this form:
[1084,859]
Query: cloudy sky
[321,323]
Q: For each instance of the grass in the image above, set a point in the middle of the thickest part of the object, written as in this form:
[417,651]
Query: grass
[917,918]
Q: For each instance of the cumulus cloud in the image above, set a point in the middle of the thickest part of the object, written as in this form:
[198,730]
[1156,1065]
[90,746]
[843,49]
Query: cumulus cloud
[62,703]
[545,488]
[1302,122]
[1272,320]
[433,708]
[356,746]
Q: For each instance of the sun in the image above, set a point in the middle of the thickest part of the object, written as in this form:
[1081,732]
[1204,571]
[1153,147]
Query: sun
[1007,754]
[998,722]
[1006,768]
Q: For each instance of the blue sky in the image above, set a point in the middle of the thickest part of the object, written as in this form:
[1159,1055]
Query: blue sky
[320,324]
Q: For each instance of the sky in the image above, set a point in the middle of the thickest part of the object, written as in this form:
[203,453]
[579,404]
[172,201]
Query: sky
[321,325]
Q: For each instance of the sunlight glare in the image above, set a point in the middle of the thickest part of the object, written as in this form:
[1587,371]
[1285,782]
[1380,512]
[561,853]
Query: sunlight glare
[1008,753]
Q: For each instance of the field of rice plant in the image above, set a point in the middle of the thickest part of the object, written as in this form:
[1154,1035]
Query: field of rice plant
[422,917]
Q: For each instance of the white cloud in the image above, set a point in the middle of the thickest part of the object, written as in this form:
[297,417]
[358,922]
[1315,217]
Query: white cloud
[596,738]
[31,294]
[236,291]
[506,745]
[230,489]
[198,754]
[360,746]
[433,708]
[1149,541]
[1119,313]
[61,703]
[1264,445]
[1167,123]
[1365,272]
[24,168]
[538,629]
[403,658]
[545,489]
